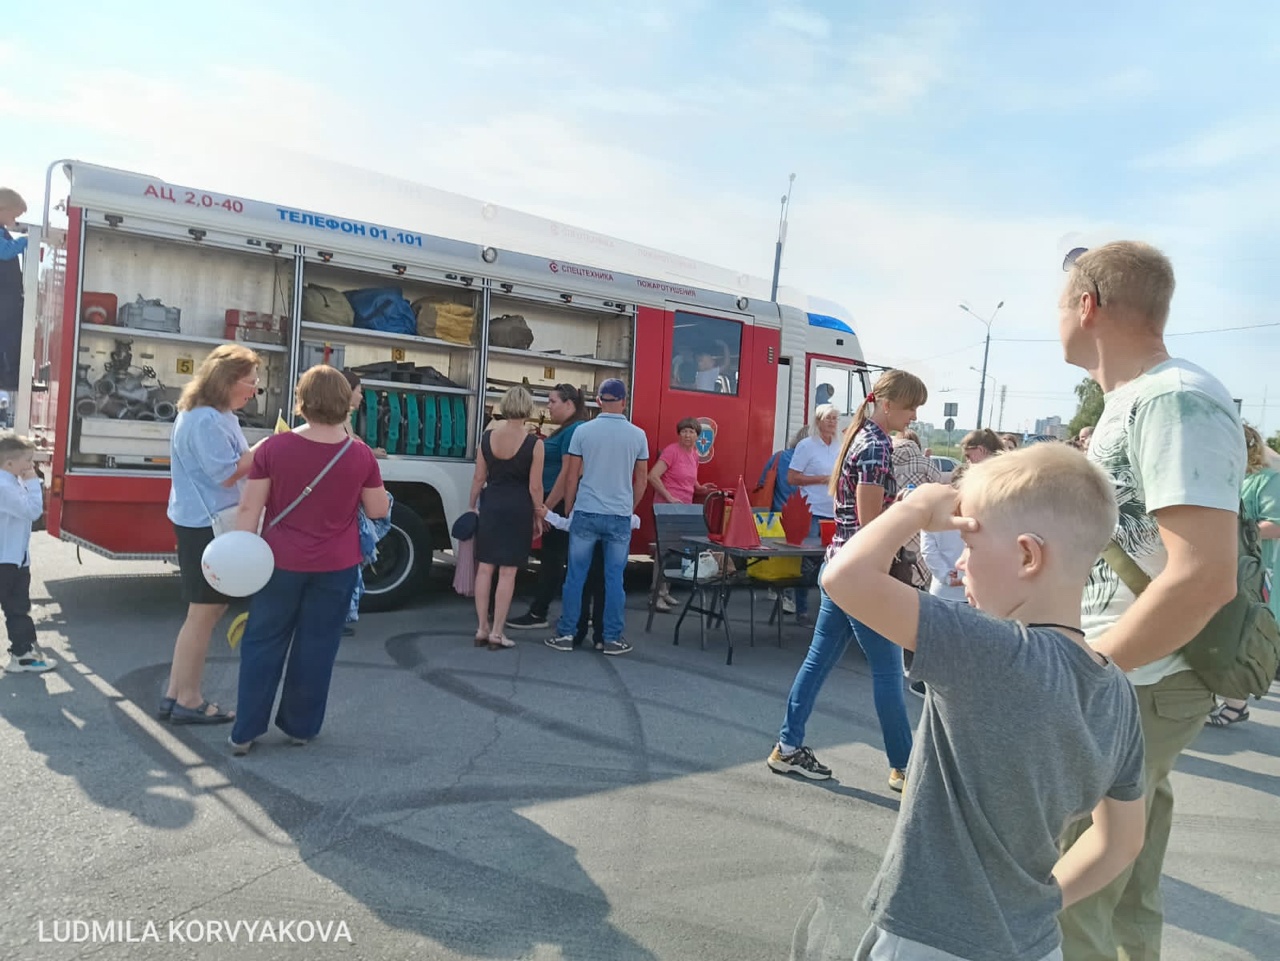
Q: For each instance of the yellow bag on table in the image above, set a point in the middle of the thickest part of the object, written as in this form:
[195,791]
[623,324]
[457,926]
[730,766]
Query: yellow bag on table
[769,524]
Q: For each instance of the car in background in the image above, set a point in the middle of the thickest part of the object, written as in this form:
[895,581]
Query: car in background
[946,467]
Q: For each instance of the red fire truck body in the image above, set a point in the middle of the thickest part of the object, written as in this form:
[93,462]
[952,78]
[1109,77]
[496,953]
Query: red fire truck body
[146,277]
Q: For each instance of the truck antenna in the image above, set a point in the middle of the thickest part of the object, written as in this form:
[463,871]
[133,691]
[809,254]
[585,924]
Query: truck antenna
[782,237]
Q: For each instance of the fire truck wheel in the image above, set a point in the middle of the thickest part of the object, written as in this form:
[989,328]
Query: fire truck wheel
[404,557]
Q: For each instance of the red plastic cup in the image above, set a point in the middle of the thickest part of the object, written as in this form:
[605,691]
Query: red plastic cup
[827,531]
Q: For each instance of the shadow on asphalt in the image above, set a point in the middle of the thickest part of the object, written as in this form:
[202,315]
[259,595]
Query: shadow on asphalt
[427,885]
[1213,916]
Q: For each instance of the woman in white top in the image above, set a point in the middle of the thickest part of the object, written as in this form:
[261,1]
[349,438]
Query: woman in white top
[941,552]
[810,471]
[814,460]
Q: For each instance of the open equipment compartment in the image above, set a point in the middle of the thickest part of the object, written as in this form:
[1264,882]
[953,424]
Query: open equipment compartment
[546,340]
[416,387]
[150,311]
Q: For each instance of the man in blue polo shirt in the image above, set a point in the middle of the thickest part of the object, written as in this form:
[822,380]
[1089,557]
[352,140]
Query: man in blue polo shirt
[606,470]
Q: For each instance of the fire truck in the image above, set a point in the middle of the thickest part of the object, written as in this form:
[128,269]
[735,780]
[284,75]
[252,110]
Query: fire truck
[130,281]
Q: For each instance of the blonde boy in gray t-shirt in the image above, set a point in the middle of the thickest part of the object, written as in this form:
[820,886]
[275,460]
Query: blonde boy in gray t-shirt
[1025,728]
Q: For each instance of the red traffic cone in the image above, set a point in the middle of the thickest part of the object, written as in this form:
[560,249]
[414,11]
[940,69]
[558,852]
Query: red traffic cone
[741,531]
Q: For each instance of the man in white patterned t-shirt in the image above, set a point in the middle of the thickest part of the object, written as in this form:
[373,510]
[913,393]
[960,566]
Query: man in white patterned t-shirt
[1171,440]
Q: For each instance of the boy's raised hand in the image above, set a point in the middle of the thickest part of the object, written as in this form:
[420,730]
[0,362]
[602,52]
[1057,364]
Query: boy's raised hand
[937,505]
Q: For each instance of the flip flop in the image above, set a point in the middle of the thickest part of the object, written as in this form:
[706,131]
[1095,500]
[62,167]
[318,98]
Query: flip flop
[200,715]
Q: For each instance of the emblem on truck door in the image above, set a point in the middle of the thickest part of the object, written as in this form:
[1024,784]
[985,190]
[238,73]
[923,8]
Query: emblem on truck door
[706,443]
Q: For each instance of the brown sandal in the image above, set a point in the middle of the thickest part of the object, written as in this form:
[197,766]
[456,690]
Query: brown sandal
[499,641]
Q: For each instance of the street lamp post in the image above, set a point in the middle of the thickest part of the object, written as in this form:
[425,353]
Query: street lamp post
[995,389]
[986,351]
[782,238]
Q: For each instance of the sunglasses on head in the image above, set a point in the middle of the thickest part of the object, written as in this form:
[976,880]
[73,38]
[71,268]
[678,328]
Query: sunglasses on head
[1069,261]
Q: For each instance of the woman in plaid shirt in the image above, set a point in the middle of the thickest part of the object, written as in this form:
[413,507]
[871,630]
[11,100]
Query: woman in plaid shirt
[863,486]
[911,468]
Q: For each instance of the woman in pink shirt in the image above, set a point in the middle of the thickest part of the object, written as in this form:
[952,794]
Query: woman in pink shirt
[674,479]
[309,482]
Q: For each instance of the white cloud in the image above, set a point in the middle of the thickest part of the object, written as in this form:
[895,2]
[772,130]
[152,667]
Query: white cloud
[891,70]
[1131,83]
[533,62]
[636,102]
[1095,94]
[655,18]
[834,78]
[1227,144]
[798,19]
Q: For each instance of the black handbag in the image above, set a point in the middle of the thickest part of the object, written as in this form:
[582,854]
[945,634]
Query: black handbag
[903,567]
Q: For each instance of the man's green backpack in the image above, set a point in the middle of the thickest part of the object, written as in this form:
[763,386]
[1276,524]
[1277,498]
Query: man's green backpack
[1238,652]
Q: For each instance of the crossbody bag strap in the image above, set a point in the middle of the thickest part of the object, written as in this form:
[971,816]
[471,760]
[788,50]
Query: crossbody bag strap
[1133,576]
[306,491]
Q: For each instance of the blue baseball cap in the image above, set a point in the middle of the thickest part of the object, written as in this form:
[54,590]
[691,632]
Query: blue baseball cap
[612,389]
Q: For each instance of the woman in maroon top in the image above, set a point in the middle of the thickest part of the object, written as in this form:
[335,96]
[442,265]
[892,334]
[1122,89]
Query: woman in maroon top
[309,482]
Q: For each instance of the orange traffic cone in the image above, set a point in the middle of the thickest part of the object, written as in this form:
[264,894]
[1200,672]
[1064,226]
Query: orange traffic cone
[741,530]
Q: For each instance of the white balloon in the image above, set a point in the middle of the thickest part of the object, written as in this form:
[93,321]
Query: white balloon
[238,563]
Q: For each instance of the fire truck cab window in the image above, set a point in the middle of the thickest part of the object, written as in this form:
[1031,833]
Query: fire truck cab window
[832,388]
[705,354]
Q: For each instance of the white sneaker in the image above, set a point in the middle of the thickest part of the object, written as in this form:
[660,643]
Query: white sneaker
[788,604]
[33,662]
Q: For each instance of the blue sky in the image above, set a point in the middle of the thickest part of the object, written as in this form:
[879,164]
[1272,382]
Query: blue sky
[942,151]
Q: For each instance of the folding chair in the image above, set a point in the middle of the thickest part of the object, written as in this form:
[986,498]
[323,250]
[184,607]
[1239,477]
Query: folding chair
[672,523]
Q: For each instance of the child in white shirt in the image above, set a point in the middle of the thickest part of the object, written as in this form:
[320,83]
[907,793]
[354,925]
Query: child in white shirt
[21,504]
[941,550]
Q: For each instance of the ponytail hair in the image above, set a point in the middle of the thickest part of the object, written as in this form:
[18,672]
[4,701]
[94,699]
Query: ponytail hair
[572,395]
[895,386]
[983,437]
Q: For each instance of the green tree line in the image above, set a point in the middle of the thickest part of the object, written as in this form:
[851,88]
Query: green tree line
[1089,408]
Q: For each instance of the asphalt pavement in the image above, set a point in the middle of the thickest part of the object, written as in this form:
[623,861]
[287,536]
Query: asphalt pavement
[522,804]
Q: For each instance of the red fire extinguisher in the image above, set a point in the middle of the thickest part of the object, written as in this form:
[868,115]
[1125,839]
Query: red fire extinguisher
[715,511]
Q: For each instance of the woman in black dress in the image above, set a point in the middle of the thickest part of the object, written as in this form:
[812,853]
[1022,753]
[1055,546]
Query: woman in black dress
[507,483]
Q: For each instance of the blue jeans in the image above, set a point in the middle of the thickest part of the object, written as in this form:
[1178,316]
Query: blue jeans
[298,616]
[831,634]
[613,533]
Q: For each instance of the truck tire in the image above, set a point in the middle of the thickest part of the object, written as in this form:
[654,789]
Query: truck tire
[404,559]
